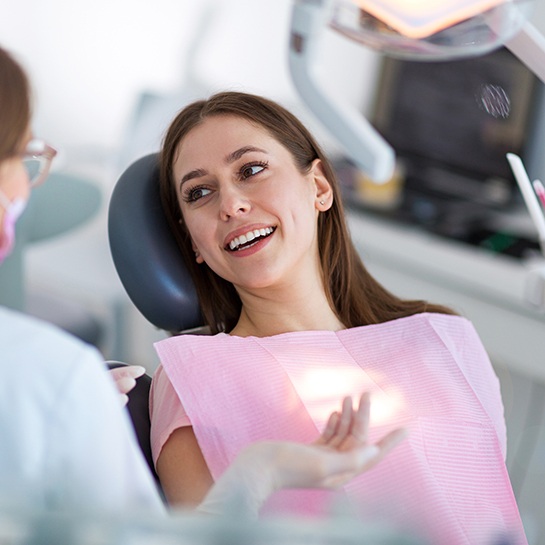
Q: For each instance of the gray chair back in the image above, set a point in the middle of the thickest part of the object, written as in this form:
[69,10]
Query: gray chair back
[145,253]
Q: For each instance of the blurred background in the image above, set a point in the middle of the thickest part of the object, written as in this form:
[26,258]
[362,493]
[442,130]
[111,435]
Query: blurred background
[108,77]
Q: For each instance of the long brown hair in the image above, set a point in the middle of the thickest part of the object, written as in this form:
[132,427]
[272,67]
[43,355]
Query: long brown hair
[15,110]
[356,297]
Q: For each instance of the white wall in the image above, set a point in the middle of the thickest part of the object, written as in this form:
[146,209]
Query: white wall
[89,60]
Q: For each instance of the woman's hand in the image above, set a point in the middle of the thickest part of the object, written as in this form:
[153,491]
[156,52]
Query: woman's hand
[341,453]
[125,379]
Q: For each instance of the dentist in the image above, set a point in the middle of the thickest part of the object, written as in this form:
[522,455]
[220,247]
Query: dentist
[65,440]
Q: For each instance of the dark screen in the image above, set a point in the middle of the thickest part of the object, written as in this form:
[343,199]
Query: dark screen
[462,115]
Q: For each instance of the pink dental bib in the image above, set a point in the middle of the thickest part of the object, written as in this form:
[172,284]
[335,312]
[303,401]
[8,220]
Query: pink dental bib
[446,483]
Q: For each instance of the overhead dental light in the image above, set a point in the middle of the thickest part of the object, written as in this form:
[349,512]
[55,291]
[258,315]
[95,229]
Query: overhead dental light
[422,18]
[410,29]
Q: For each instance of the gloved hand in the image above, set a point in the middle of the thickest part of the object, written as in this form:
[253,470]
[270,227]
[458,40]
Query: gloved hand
[125,379]
[341,453]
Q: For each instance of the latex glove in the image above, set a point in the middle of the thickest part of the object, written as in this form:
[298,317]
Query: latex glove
[341,453]
[125,379]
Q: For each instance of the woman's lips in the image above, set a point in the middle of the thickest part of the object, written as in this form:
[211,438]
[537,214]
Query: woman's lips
[249,238]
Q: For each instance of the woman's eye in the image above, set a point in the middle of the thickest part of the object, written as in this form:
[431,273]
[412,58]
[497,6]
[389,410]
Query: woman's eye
[247,171]
[196,193]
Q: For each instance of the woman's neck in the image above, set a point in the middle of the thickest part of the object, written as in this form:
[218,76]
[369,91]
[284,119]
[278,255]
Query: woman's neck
[271,313]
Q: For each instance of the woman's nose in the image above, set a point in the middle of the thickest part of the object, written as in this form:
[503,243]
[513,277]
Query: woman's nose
[232,203]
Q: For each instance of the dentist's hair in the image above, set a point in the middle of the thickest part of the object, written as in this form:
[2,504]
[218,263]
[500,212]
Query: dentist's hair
[355,296]
[15,110]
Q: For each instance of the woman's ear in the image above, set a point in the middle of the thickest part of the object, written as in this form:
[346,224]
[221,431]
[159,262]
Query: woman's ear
[324,193]
[198,257]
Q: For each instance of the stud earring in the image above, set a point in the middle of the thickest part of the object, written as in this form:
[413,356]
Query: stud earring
[322,203]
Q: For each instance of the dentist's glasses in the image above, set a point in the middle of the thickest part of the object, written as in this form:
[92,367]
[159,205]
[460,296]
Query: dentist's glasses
[37,160]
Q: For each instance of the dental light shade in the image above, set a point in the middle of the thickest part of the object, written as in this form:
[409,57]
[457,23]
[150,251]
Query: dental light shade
[422,18]
[429,29]
[503,23]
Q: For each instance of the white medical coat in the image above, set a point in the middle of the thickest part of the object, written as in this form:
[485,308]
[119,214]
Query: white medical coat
[65,439]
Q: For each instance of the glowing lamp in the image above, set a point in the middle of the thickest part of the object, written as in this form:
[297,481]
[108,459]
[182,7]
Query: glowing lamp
[429,29]
[421,18]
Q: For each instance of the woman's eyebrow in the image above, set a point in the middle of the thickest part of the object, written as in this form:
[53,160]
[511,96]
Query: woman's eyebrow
[237,154]
[231,158]
[197,173]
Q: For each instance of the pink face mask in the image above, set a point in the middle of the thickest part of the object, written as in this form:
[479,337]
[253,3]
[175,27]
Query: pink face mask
[13,211]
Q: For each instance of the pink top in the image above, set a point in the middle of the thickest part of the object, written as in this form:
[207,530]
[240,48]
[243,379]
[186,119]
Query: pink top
[447,482]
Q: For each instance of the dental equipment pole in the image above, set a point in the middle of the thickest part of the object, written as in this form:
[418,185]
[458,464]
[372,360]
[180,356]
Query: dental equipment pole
[529,46]
[535,285]
[362,143]
[529,195]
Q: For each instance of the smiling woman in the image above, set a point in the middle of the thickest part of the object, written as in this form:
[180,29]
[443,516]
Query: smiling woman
[294,148]
[260,198]
[298,321]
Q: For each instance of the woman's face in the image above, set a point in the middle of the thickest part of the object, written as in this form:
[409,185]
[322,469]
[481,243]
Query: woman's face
[14,182]
[251,214]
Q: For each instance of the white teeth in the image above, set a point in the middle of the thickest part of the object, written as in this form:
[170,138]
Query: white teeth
[249,236]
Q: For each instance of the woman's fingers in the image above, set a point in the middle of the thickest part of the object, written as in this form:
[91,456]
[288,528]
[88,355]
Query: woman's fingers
[346,465]
[344,424]
[390,441]
[349,429]
[353,426]
[360,422]
[329,430]
[338,425]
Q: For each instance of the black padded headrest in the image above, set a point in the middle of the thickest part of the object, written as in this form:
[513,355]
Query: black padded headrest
[145,252]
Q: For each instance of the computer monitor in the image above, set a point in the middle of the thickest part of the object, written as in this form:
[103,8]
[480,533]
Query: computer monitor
[452,122]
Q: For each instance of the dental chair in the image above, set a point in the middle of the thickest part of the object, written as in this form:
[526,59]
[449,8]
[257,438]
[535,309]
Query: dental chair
[145,253]
[151,269]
